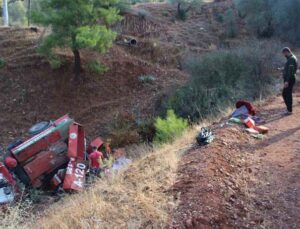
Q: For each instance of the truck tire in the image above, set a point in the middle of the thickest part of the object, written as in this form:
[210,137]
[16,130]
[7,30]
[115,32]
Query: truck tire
[14,144]
[38,128]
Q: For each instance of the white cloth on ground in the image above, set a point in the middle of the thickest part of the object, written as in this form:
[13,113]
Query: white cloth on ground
[120,163]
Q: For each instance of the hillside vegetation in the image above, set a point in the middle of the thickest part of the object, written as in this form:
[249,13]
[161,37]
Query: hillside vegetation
[104,100]
[148,96]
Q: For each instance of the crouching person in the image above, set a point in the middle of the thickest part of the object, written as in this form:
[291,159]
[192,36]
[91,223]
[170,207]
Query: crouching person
[96,161]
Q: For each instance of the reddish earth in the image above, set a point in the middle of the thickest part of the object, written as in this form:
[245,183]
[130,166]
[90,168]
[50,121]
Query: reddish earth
[240,182]
[235,182]
[111,104]
[31,91]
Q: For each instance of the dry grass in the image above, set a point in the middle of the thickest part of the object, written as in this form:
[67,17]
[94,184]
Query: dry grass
[14,216]
[135,198]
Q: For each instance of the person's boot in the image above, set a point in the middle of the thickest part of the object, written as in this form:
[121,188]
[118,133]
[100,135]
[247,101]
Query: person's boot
[287,113]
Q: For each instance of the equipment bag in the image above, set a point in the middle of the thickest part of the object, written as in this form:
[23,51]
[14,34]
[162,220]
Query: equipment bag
[205,137]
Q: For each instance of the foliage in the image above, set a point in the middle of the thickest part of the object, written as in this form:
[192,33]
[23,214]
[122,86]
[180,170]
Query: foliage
[258,16]
[17,13]
[97,67]
[230,21]
[143,14]
[146,130]
[220,79]
[133,2]
[123,130]
[2,63]
[170,128]
[272,17]
[286,20]
[55,62]
[76,25]
[147,79]
[184,6]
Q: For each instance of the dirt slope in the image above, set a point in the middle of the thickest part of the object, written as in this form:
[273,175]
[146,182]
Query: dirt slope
[31,91]
[240,182]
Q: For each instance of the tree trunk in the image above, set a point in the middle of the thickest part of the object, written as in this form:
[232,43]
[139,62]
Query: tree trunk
[29,12]
[179,8]
[77,65]
[5,13]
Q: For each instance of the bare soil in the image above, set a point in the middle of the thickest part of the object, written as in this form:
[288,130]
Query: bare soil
[30,91]
[240,182]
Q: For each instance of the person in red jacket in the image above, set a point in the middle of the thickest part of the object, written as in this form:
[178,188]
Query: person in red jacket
[95,158]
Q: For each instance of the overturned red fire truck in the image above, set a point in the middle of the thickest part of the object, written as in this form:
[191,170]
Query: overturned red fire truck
[54,156]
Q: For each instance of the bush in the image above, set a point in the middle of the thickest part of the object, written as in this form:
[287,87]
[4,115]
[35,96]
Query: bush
[286,20]
[170,128]
[258,16]
[232,29]
[272,17]
[146,130]
[220,79]
[97,67]
[123,130]
[2,63]
[182,14]
[184,6]
[143,14]
[147,79]
[55,62]
[17,13]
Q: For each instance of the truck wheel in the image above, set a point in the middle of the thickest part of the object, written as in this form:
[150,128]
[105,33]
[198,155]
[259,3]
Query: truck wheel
[39,127]
[14,144]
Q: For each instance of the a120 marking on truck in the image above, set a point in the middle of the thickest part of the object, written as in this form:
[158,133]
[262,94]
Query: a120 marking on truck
[75,175]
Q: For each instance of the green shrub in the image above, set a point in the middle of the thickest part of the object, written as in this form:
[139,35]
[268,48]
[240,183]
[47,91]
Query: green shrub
[143,14]
[55,62]
[182,14]
[272,17]
[97,67]
[170,128]
[220,17]
[165,14]
[2,63]
[147,79]
[17,13]
[184,6]
[221,78]
[286,20]
[146,130]
[232,29]
[123,130]
[258,15]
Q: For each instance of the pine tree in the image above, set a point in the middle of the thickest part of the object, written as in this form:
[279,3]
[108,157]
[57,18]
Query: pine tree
[77,24]
[184,6]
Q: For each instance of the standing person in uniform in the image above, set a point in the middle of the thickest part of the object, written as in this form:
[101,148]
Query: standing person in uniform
[289,76]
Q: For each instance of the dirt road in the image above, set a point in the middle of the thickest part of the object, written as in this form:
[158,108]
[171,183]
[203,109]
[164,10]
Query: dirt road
[241,182]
